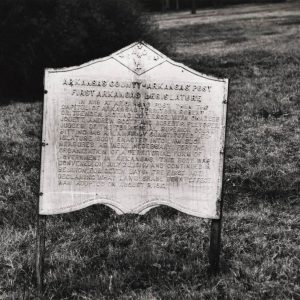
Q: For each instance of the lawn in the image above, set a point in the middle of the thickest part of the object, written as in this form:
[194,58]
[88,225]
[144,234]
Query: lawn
[95,254]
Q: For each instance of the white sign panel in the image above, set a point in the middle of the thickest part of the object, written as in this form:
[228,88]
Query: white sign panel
[133,130]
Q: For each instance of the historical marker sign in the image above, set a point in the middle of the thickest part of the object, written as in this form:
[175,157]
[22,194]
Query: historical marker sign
[133,130]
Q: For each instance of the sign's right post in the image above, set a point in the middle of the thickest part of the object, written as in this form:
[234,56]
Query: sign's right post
[216,224]
[215,246]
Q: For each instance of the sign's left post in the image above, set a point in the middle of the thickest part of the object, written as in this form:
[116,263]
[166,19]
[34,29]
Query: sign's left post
[40,253]
[41,219]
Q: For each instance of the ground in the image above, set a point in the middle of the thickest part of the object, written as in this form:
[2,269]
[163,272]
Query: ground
[94,254]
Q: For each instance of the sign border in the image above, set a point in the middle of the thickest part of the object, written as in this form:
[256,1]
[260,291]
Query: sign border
[93,199]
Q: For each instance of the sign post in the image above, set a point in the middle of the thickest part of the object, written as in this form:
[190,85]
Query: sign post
[133,131]
[40,253]
[215,245]
[216,224]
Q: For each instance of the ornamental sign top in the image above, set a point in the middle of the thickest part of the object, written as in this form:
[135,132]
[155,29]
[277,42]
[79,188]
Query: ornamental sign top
[139,58]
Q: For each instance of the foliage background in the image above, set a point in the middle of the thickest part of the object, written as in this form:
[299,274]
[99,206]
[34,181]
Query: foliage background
[35,34]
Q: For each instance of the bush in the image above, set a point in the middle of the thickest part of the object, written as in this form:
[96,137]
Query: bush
[35,34]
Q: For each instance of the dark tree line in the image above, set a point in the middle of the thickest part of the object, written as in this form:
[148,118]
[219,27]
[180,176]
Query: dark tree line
[35,34]
[165,5]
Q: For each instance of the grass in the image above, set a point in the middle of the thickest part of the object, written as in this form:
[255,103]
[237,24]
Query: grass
[94,254]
